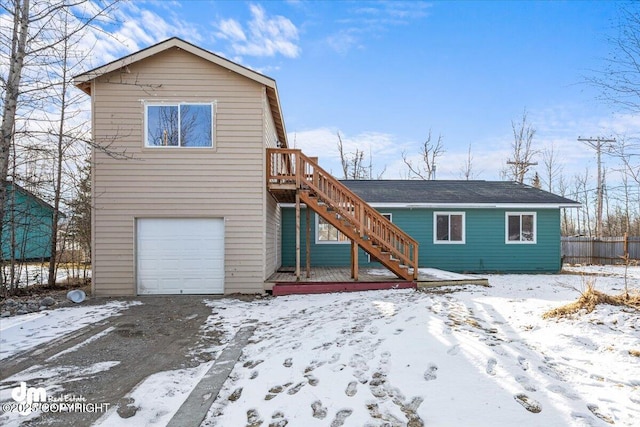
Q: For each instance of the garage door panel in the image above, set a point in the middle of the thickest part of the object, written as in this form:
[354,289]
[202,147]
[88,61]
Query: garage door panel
[180,255]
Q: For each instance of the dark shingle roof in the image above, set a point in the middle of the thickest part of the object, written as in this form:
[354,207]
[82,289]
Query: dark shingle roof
[452,192]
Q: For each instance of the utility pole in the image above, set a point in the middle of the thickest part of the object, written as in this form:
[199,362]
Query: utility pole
[596,144]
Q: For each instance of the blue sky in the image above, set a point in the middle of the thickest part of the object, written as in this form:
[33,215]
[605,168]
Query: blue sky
[385,73]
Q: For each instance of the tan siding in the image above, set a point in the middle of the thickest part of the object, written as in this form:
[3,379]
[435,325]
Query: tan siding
[226,181]
[272,240]
[272,219]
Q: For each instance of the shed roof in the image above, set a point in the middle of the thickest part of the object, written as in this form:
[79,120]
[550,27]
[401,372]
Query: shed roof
[83,81]
[12,186]
[467,193]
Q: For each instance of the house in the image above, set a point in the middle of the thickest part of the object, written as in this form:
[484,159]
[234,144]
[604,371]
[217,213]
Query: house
[461,226]
[27,226]
[191,168]
[180,201]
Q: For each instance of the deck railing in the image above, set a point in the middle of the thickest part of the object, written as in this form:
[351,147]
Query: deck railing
[291,168]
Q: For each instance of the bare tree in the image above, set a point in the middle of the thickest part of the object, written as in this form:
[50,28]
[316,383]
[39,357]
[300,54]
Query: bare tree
[353,164]
[568,226]
[522,149]
[11,86]
[430,151]
[552,168]
[38,128]
[535,181]
[79,226]
[466,170]
[619,80]
[582,192]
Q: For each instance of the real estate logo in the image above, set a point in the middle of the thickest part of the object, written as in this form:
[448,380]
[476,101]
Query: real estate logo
[27,398]
[30,399]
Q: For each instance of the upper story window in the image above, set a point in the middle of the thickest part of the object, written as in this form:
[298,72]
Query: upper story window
[179,125]
[520,227]
[448,227]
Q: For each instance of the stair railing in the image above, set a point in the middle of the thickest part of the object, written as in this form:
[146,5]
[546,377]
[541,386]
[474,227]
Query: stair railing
[289,166]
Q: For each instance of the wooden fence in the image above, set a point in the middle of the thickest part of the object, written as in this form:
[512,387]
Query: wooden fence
[603,251]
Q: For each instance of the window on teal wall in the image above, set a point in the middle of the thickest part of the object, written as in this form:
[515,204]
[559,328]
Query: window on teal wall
[327,233]
[448,227]
[520,227]
[179,125]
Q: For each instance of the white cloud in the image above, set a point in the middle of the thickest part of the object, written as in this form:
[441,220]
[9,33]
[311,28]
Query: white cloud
[264,36]
[372,20]
[343,41]
[379,148]
[232,30]
[133,28]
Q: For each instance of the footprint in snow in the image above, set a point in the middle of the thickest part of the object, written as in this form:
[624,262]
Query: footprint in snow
[288,362]
[278,420]
[584,419]
[373,330]
[550,371]
[528,403]
[275,390]
[293,390]
[341,416]
[253,375]
[430,373]
[562,391]
[398,331]
[454,350]
[236,394]
[312,379]
[523,362]
[524,382]
[319,411]
[596,411]
[491,366]
[334,358]
[352,389]
[252,363]
[253,418]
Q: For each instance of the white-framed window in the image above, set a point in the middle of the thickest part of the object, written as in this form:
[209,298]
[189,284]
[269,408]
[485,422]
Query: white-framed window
[449,228]
[179,125]
[520,227]
[327,233]
[390,218]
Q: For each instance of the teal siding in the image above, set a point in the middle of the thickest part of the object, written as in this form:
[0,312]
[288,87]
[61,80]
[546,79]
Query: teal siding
[484,250]
[30,221]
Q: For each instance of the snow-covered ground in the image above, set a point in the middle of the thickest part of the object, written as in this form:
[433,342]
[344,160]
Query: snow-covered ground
[471,355]
[36,274]
[21,333]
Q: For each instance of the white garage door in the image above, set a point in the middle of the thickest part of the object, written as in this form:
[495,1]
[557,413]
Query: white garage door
[180,255]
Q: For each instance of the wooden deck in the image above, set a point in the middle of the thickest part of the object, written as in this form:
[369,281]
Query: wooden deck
[338,279]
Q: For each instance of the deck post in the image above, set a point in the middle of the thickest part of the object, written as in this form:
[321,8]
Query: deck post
[354,260]
[297,234]
[308,258]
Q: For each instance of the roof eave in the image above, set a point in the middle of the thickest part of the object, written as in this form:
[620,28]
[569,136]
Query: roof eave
[465,205]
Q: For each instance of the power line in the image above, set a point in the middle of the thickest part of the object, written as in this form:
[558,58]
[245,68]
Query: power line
[596,144]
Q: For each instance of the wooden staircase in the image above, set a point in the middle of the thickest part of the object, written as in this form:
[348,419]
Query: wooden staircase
[293,176]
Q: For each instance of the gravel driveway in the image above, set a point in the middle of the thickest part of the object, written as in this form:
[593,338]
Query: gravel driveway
[164,333]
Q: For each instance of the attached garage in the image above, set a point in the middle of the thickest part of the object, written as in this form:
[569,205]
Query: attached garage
[180,256]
